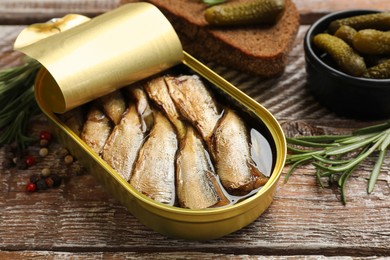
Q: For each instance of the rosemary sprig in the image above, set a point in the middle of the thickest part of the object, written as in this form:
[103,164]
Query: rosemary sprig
[213,2]
[18,103]
[336,156]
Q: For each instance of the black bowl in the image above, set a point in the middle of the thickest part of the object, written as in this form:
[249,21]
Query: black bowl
[346,95]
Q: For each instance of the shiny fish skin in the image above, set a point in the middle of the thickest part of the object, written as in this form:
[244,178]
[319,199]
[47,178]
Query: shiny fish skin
[195,177]
[154,171]
[114,106]
[231,152]
[158,92]
[74,119]
[124,143]
[195,103]
[96,129]
[143,108]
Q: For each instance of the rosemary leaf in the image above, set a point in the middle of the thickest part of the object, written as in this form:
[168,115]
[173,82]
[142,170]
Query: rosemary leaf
[353,146]
[14,133]
[372,129]
[320,138]
[213,2]
[321,166]
[318,174]
[336,157]
[295,165]
[356,138]
[296,150]
[329,161]
[358,159]
[375,171]
[385,142]
[18,102]
[326,174]
[298,157]
[343,183]
[309,143]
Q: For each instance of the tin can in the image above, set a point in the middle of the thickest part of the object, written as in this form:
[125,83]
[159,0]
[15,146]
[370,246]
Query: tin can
[172,221]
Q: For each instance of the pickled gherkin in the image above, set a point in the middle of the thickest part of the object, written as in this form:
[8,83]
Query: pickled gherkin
[242,13]
[372,41]
[380,71]
[379,21]
[344,56]
[346,33]
[373,60]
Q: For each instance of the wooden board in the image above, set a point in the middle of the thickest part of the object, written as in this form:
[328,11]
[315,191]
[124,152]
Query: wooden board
[26,12]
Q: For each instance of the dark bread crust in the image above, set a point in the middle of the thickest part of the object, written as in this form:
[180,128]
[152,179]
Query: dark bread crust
[260,50]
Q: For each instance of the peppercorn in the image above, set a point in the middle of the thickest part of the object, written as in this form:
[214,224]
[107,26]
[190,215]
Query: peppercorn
[56,180]
[49,182]
[41,184]
[30,160]
[43,152]
[45,135]
[68,159]
[62,152]
[43,142]
[35,178]
[45,172]
[31,187]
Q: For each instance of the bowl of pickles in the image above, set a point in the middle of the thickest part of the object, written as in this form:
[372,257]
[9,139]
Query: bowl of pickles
[347,57]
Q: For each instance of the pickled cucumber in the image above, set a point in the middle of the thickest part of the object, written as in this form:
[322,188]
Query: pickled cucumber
[345,57]
[370,41]
[380,71]
[373,60]
[346,33]
[379,21]
[237,13]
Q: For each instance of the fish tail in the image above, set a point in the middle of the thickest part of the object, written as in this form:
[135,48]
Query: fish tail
[259,178]
[222,199]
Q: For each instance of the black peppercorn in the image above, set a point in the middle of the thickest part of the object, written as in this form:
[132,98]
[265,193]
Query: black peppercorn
[56,180]
[35,178]
[41,184]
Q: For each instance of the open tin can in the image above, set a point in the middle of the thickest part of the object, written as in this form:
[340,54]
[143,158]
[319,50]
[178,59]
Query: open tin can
[63,85]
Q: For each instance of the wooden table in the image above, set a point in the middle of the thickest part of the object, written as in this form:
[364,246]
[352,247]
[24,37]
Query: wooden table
[79,220]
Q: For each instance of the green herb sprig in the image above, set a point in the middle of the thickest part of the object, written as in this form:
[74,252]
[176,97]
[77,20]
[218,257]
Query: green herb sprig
[213,2]
[18,103]
[336,156]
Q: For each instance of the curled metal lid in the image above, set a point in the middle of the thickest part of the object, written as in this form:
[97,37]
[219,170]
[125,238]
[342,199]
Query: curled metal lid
[97,56]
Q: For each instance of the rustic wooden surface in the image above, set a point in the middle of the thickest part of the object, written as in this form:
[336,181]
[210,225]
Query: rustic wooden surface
[79,220]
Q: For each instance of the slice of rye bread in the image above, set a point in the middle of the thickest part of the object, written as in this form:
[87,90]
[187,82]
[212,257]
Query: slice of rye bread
[257,49]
